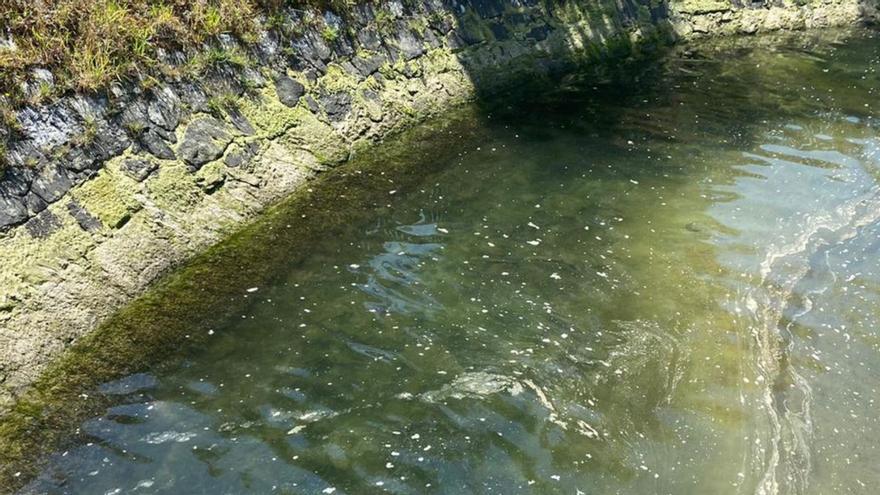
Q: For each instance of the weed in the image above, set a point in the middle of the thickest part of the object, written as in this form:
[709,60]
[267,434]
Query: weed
[135,128]
[88,134]
[385,22]
[218,105]
[330,34]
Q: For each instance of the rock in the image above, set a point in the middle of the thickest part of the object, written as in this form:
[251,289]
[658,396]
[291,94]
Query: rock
[240,121]
[312,104]
[241,156]
[163,110]
[43,225]
[488,9]
[204,140]
[78,160]
[289,90]
[17,181]
[156,145]
[210,182]
[12,210]
[500,31]
[538,33]
[313,50]
[367,66]
[34,204]
[337,105]
[410,46]
[369,39]
[51,183]
[137,168]
[85,219]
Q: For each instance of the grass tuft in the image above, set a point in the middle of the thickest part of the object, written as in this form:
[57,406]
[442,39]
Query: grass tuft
[88,44]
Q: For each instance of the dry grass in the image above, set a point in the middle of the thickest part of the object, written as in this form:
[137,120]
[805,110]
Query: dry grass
[89,43]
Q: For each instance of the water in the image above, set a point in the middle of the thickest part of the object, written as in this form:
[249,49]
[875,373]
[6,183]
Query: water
[667,281]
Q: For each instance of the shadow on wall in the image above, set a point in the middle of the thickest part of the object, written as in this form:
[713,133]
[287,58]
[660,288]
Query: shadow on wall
[499,43]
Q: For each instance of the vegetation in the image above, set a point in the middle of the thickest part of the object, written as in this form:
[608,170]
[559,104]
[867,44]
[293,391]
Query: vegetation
[87,44]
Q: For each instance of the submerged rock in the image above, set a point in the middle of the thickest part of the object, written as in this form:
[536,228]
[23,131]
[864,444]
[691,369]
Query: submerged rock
[474,385]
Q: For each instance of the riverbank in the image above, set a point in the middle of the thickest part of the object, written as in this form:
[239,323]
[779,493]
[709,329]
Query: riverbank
[106,194]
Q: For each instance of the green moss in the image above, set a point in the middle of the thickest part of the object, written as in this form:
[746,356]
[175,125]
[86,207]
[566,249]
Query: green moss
[337,79]
[216,57]
[221,103]
[173,188]
[318,138]
[385,22]
[702,6]
[109,197]
[268,115]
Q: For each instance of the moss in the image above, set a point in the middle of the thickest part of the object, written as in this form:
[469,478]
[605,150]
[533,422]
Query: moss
[109,197]
[267,114]
[703,6]
[216,57]
[173,188]
[337,79]
[318,138]
[88,134]
[219,104]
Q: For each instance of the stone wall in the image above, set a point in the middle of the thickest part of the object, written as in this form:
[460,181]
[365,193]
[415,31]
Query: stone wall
[104,193]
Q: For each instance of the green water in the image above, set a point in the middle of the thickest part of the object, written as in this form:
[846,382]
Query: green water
[661,281]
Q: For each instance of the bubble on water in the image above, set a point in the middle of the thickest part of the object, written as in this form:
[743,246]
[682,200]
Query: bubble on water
[168,436]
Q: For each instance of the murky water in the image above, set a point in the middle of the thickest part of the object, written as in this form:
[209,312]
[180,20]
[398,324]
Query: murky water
[665,284]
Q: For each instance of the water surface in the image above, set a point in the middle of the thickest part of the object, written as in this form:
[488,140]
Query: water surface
[660,281]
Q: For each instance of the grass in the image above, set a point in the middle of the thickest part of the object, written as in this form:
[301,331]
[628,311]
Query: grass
[87,44]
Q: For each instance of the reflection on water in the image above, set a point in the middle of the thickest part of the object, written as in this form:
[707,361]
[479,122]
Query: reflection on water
[668,284]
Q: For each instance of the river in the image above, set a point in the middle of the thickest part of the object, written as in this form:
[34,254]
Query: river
[664,280]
